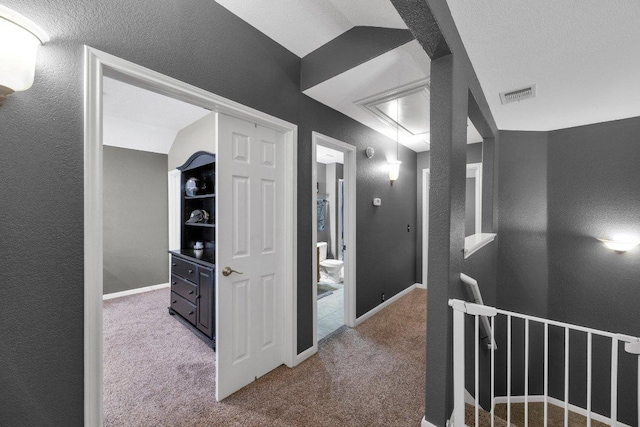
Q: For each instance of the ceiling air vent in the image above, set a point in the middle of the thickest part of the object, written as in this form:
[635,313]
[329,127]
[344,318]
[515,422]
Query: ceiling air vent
[518,94]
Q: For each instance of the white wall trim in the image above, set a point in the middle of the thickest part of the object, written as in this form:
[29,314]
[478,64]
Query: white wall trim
[426,182]
[385,304]
[559,403]
[426,423]
[306,354]
[96,65]
[135,291]
[474,170]
[420,285]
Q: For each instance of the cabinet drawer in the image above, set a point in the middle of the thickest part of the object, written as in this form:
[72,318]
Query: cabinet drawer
[183,268]
[184,288]
[183,307]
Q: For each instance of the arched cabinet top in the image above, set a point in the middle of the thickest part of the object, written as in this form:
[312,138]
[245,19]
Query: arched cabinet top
[197,159]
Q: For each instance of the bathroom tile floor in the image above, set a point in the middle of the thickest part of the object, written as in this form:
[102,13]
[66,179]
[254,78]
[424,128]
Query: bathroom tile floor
[331,312]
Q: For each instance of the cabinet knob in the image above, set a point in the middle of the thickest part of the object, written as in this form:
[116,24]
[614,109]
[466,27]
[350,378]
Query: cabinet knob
[190,313]
[190,292]
[174,283]
[190,271]
[174,264]
[175,301]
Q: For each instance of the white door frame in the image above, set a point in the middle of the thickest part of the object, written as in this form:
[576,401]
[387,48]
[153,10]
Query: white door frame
[99,64]
[474,170]
[350,219]
[426,183]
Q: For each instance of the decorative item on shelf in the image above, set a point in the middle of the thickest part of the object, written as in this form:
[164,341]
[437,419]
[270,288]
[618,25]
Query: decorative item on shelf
[621,243]
[370,152]
[198,216]
[394,165]
[198,246]
[19,41]
[193,186]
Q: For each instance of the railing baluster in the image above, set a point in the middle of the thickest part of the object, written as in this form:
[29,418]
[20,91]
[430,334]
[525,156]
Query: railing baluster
[477,367]
[460,308]
[614,381]
[546,373]
[493,369]
[589,362]
[458,368]
[566,377]
[509,370]
[526,373]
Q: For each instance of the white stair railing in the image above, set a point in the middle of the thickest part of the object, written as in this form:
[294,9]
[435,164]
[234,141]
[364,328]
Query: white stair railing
[463,308]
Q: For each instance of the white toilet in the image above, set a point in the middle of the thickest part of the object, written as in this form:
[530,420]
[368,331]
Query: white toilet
[332,267]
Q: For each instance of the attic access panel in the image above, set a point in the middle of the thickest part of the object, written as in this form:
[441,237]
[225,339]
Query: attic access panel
[411,105]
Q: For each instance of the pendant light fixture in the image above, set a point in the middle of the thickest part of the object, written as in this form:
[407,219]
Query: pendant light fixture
[394,165]
[19,41]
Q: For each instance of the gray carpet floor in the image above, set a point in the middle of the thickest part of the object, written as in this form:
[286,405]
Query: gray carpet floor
[157,373]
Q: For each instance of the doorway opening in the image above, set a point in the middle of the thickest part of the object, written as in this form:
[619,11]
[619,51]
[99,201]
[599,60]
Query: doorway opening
[333,172]
[99,65]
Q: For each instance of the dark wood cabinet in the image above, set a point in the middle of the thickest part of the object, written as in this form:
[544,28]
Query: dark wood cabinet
[193,266]
[205,302]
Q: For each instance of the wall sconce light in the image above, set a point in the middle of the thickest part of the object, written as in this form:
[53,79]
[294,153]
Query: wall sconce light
[620,243]
[19,41]
[394,170]
[394,165]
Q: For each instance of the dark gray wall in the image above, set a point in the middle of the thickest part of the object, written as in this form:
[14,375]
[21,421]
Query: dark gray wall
[559,191]
[470,207]
[41,149]
[594,192]
[522,277]
[136,237]
[522,193]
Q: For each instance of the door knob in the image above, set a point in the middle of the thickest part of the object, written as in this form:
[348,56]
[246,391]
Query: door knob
[227,271]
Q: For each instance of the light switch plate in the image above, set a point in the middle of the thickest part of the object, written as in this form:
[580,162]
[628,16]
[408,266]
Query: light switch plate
[377,201]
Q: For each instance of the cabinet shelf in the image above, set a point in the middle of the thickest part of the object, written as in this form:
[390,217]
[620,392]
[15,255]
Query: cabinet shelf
[201,196]
[199,224]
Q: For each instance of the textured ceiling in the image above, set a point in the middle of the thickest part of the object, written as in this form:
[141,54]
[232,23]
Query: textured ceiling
[385,73]
[583,56]
[139,119]
[302,26]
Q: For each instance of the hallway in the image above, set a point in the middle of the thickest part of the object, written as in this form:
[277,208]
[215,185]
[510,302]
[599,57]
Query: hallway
[370,375]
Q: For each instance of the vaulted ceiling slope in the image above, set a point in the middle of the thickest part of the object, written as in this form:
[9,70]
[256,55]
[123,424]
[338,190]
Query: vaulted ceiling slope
[352,51]
[582,56]
[302,26]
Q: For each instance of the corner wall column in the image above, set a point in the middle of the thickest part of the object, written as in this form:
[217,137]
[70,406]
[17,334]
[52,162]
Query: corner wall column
[449,100]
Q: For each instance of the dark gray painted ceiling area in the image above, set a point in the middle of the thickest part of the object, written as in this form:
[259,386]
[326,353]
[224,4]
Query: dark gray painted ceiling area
[350,49]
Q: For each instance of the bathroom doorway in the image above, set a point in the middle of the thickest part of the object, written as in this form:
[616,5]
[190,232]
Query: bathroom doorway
[333,235]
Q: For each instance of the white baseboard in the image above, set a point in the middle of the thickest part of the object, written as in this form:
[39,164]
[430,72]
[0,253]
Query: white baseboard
[559,403]
[135,291]
[305,355]
[426,423]
[391,300]
[421,285]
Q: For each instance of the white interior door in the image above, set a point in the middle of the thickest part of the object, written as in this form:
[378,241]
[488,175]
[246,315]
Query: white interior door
[250,230]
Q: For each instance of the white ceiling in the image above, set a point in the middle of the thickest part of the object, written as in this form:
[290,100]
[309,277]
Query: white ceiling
[139,119]
[328,155]
[397,68]
[302,26]
[583,56]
